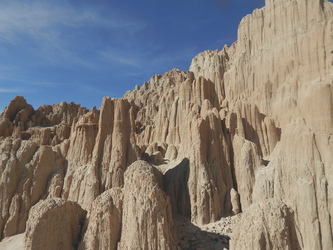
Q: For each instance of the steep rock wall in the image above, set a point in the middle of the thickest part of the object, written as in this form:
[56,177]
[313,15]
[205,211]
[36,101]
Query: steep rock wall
[279,71]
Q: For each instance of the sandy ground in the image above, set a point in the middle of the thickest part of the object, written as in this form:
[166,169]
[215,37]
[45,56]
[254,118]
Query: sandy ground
[214,236]
[13,243]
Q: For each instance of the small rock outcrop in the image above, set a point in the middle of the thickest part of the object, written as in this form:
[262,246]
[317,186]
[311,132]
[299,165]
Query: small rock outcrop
[147,214]
[266,225]
[54,224]
[102,228]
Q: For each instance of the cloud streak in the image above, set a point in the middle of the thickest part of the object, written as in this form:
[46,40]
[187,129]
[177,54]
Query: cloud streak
[52,31]
[14,90]
[44,19]
[122,58]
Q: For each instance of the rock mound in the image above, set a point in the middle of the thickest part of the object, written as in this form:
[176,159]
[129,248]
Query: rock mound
[269,224]
[102,227]
[139,215]
[147,215]
[54,224]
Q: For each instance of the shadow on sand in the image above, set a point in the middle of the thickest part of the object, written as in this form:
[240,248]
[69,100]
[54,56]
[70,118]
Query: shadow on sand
[193,237]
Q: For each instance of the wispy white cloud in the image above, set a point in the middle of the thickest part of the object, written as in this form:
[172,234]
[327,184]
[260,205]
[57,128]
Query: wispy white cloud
[120,57]
[5,68]
[42,19]
[14,90]
[90,89]
[52,31]
[180,56]
[10,78]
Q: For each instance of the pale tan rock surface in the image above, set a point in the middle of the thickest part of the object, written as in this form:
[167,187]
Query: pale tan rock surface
[54,224]
[13,242]
[81,185]
[24,119]
[27,172]
[114,148]
[301,177]
[246,162]
[265,225]
[235,202]
[139,215]
[282,58]
[147,214]
[187,120]
[254,121]
[102,227]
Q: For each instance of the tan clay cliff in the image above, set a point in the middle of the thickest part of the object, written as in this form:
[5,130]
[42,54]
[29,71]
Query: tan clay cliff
[235,153]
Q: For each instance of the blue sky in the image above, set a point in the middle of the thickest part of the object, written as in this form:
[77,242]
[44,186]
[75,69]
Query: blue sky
[82,50]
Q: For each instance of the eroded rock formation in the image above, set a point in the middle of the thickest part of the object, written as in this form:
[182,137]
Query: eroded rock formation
[102,229]
[266,225]
[248,128]
[54,224]
[147,215]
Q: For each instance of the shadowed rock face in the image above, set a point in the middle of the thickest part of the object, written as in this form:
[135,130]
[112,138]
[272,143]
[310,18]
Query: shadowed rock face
[175,185]
[251,122]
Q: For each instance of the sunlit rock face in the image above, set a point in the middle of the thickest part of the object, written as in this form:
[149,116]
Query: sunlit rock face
[248,129]
[54,224]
